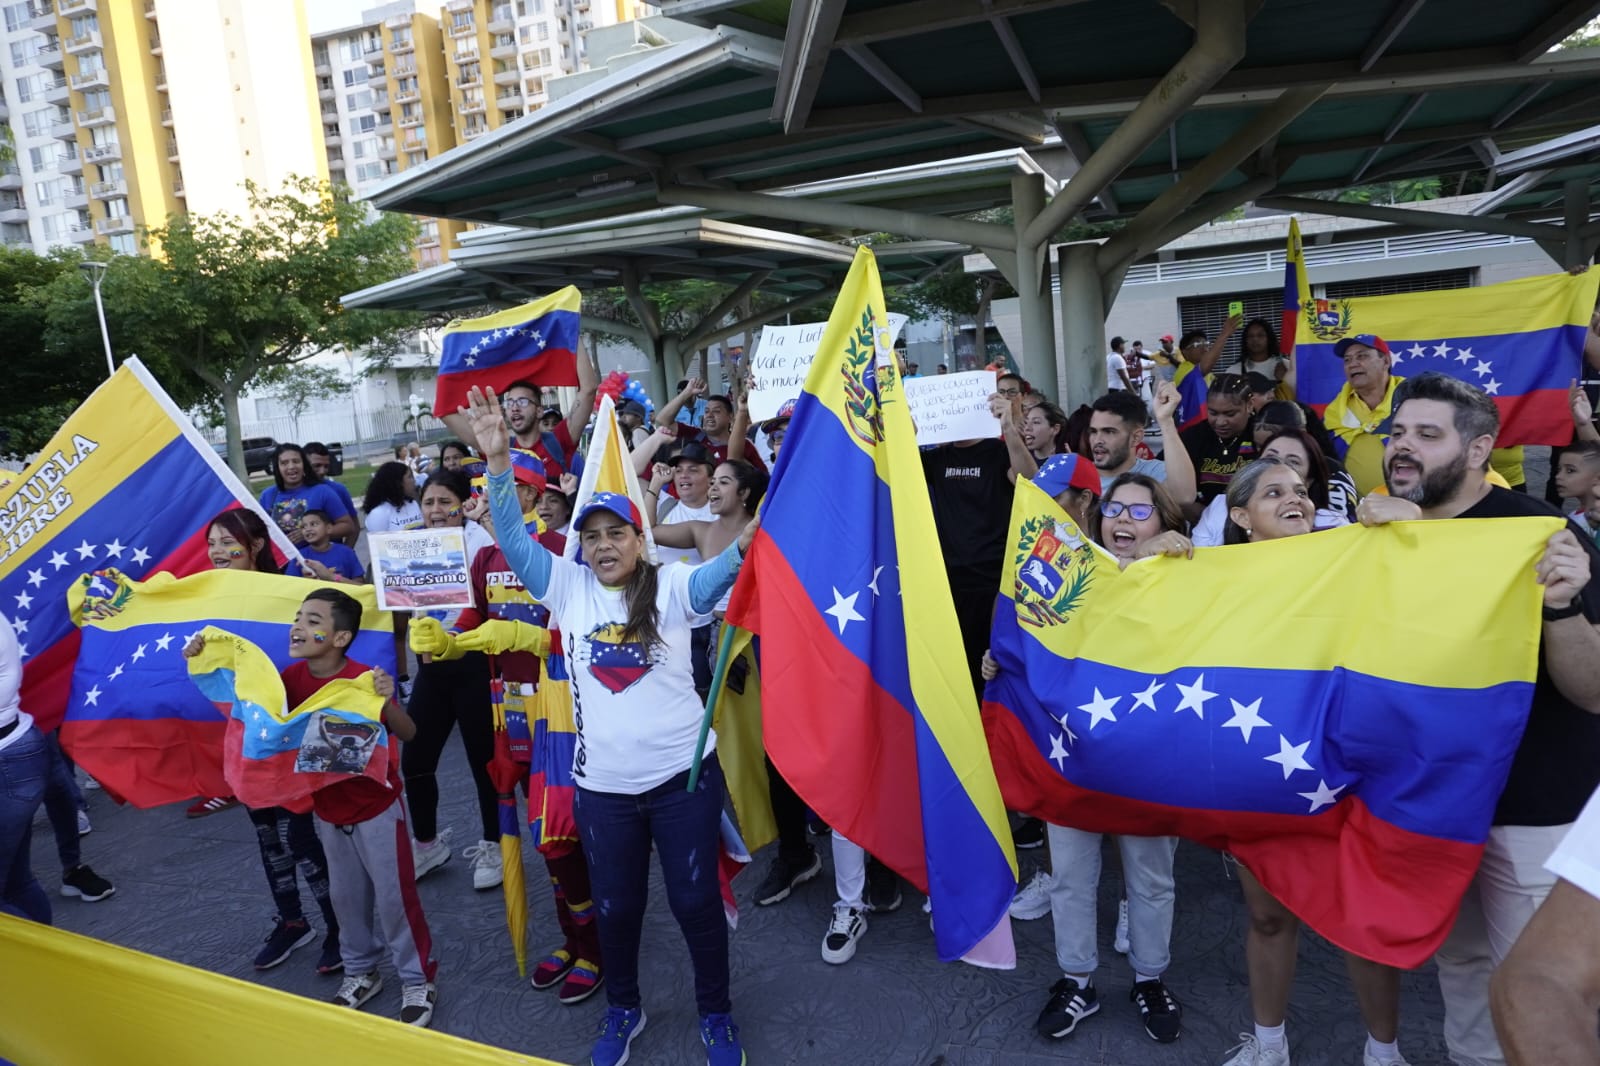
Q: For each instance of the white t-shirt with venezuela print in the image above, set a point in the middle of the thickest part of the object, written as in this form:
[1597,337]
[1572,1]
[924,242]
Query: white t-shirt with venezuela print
[636,711]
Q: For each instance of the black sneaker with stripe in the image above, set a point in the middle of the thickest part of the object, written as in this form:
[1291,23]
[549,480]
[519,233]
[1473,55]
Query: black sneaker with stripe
[1159,1011]
[1068,1006]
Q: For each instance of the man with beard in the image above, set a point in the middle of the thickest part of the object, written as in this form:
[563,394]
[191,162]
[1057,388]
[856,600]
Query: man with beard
[1436,463]
[1116,429]
[557,445]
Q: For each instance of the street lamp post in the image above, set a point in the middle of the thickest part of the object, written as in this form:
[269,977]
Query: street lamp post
[96,271]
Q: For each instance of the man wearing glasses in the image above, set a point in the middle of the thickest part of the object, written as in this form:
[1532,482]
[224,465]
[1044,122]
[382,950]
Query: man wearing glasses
[558,445]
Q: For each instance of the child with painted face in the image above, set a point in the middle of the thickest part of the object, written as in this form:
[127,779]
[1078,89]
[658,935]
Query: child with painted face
[324,558]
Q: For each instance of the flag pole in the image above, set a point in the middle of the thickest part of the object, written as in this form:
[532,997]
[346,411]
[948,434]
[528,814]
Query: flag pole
[718,676]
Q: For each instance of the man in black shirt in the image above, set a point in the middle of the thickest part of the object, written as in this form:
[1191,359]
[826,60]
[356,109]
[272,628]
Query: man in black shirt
[1435,464]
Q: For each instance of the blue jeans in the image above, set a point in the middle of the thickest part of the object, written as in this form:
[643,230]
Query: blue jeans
[24,768]
[686,830]
[62,802]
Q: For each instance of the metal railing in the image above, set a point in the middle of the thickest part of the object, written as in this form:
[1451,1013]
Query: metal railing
[1271,260]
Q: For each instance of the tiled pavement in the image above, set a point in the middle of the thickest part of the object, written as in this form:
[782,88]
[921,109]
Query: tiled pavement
[194,891]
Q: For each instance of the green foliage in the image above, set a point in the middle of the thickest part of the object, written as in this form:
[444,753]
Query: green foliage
[1406,191]
[297,386]
[1588,37]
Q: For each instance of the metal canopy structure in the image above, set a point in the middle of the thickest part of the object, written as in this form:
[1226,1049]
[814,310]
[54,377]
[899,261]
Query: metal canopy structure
[1167,114]
[508,266]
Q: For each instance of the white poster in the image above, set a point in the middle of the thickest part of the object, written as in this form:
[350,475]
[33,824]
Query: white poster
[952,407]
[783,358]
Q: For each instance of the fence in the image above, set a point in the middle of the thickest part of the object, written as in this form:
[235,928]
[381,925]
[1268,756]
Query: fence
[365,433]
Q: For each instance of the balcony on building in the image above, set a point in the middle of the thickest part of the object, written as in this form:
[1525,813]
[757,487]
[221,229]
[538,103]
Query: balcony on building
[166,117]
[161,80]
[177,188]
[10,176]
[375,72]
[91,79]
[503,47]
[402,44]
[80,234]
[385,123]
[502,19]
[50,57]
[507,75]
[468,79]
[402,96]
[387,150]
[69,161]
[428,240]
[331,135]
[466,55]
[172,149]
[414,144]
[410,122]
[62,129]
[404,65]
[98,116]
[102,153]
[105,190]
[512,99]
[584,25]
[41,17]
[323,68]
[75,196]
[372,46]
[150,9]
[73,7]
[155,42]
[108,226]
[472,107]
[325,90]
[12,209]
[580,5]
[83,42]
[57,90]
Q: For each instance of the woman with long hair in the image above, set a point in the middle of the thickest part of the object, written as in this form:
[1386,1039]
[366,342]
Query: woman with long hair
[296,488]
[391,501]
[1332,491]
[452,453]
[1268,500]
[1259,352]
[626,624]
[1043,430]
[237,539]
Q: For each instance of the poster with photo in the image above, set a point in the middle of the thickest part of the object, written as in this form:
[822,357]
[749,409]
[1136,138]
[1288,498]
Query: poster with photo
[421,569]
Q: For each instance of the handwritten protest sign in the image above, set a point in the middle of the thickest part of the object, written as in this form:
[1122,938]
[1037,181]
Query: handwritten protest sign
[421,569]
[782,360]
[949,407]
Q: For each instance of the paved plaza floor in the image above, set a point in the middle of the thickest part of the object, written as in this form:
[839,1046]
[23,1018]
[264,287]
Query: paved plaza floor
[194,891]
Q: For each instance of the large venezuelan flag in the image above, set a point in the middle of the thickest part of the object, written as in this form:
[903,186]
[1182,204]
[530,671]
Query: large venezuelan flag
[1350,754]
[275,755]
[536,342]
[867,705]
[1520,341]
[134,719]
[126,482]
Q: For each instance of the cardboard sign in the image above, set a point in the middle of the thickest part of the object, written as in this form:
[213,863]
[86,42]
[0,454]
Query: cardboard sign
[421,569]
[951,407]
[783,358]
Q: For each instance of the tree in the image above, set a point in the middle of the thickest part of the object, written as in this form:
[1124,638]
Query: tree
[296,386]
[230,301]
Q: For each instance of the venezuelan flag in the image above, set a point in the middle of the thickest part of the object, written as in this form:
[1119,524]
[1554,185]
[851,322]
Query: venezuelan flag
[134,719]
[1520,341]
[551,788]
[1320,750]
[274,755]
[127,482]
[868,708]
[1192,388]
[536,342]
[1296,289]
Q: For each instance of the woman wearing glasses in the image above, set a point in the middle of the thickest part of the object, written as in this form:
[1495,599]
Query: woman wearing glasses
[1137,519]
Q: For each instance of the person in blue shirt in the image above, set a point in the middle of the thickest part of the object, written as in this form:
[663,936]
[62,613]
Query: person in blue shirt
[325,558]
[297,489]
[321,461]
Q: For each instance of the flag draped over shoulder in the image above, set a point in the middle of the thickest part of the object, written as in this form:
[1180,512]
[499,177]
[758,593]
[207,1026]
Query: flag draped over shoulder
[1296,289]
[125,482]
[275,755]
[867,704]
[536,342]
[1519,341]
[1327,751]
[134,719]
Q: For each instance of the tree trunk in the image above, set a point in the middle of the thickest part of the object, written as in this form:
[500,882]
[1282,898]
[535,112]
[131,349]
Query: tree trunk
[981,321]
[231,426]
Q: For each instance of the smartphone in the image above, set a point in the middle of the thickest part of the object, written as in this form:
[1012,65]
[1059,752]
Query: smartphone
[1236,309]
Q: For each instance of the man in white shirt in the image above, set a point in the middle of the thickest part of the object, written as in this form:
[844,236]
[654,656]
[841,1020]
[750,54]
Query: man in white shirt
[1117,367]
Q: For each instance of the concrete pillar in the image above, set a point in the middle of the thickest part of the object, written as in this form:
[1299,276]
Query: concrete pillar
[1083,326]
[1038,357]
[1577,252]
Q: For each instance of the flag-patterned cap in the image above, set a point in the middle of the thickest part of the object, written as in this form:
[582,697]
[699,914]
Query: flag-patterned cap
[1371,340]
[1059,473]
[616,503]
[528,468]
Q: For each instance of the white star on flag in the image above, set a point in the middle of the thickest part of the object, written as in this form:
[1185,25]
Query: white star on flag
[20,626]
[22,651]
[873,584]
[844,610]
[166,639]
[114,549]
[472,360]
[1464,355]
[1291,757]
[35,578]
[140,556]
[58,559]
[1147,698]
[1441,350]
[24,601]
[1099,709]
[1246,717]
[1057,752]
[138,653]
[1194,697]
[92,697]
[537,339]
[1322,797]
[1481,369]
[117,672]
[264,734]
[85,550]
[1416,351]
[1492,387]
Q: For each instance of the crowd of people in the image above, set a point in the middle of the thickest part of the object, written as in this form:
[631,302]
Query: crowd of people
[585,644]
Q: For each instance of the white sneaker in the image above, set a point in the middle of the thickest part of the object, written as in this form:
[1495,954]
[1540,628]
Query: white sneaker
[1368,1060]
[487,871]
[416,1004]
[1250,1053]
[839,944]
[84,828]
[1120,942]
[1033,899]
[432,855]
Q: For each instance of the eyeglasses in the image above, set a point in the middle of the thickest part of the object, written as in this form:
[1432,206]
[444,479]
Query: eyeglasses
[1013,391]
[1139,512]
[516,403]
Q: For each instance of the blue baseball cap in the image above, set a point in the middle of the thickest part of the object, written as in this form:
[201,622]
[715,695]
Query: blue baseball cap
[1059,473]
[616,503]
[1371,340]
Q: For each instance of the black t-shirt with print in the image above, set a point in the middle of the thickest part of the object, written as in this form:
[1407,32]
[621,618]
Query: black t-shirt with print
[971,496]
[1557,765]
[1215,460]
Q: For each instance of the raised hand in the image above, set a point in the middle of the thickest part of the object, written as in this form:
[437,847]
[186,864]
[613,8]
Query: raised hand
[1167,399]
[1578,400]
[488,422]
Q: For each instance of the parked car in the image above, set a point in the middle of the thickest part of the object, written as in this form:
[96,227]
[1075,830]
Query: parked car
[258,455]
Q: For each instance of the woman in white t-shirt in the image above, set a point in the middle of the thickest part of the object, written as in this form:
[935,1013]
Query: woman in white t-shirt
[391,503]
[1259,352]
[626,624]
[24,767]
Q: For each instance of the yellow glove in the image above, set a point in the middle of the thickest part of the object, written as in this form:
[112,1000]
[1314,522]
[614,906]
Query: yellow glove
[428,637]
[499,636]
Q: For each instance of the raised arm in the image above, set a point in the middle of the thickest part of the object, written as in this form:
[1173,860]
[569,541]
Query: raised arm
[711,579]
[583,407]
[646,452]
[1209,360]
[1582,412]
[1174,456]
[529,559]
[739,431]
[669,410]
[1023,464]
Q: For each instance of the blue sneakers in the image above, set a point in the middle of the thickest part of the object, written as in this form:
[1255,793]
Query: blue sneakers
[721,1038]
[618,1027]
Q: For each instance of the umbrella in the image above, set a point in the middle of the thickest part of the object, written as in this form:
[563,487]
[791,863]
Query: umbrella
[505,772]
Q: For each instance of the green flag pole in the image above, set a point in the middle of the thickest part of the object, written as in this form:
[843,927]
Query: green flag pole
[718,676]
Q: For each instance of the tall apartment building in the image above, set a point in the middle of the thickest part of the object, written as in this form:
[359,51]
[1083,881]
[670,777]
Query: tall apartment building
[100,94]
